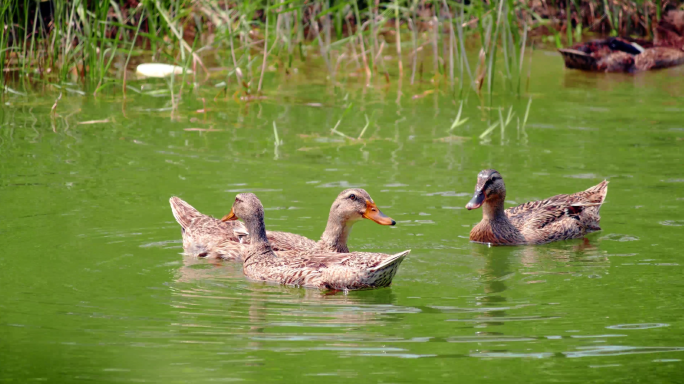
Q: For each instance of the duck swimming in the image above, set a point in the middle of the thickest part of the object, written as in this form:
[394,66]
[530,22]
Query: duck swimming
[205,236]
[620,55]
[561,217]
[322,270]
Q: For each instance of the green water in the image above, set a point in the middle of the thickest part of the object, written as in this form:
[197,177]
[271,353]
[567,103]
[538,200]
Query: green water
[94,288]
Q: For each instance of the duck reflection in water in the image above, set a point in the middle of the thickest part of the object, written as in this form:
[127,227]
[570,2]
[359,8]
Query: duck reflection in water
[582,256]
[493,277]
[211,294]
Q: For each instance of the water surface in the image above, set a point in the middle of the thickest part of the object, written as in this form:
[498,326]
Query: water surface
[95,288]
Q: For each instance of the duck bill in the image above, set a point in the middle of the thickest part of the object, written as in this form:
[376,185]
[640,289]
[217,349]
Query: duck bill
[476,201]
[230,216]
[373,213]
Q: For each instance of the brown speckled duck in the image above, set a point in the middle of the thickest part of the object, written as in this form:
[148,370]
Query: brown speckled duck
[670,30]
[323,270]
[205,236]
[620,55]
[561,217]
[201,233]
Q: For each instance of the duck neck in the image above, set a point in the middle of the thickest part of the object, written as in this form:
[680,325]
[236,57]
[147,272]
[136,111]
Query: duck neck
[336,234]
[494,210]
[495,226]
[259,245]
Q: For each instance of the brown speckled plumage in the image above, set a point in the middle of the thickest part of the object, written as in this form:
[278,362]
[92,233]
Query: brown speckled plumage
[600,55]
[670,30]
[205,236]
[323,270]
[560,217]
[620,55]
[658,58]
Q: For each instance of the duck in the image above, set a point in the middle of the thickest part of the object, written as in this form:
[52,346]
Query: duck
[202,234]
[620,55]
[561,217]
[670,30]
[205,236]
[323,270]
[604,55]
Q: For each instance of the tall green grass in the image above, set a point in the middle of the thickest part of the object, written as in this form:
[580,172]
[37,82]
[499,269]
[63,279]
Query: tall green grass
[438,41]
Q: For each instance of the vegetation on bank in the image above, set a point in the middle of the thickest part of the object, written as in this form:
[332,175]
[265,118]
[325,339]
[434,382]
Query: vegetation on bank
[377,41]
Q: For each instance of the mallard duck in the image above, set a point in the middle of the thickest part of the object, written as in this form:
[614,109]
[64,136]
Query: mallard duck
[560,217]
[205,236]
[619,55]
[601,55]
[323,270]
[202,234]
[670,30]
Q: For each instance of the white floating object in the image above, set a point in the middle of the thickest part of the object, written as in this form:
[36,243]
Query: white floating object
[160,70]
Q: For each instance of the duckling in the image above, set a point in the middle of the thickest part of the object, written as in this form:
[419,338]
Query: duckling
[205,236]
[560,217]
[322,270]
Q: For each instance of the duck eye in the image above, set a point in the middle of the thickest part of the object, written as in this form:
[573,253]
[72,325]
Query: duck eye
[352,196]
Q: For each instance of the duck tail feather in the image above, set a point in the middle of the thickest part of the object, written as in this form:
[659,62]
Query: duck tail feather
[391,260]
[183,212]
[597,193]
[595,196]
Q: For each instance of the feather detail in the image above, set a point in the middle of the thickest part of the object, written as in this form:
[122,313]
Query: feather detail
[396,258]
[183,212]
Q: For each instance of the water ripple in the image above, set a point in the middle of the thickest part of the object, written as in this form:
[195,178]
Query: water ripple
[619,237]
[638,326]
[617,350]
[672,223]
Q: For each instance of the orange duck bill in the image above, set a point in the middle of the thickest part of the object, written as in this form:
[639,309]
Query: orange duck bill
[230,216]
[373,213]
[476,201]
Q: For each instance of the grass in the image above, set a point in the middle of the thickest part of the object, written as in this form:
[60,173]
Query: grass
[95,42]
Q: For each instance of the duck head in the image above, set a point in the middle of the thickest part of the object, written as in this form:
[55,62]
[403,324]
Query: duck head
[246,207]
[355,204]
[490,188]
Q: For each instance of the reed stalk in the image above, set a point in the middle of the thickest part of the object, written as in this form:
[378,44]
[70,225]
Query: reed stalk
[82,40]
[397,21]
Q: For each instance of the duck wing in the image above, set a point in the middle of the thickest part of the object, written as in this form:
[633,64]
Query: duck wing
[560,216]
[576,59]
[658,58]
[363,270]
[341,271]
